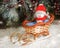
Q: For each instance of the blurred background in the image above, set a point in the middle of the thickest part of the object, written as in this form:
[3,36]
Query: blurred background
[14,12]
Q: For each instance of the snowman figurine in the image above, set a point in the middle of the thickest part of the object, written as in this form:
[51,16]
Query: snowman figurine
[40,14]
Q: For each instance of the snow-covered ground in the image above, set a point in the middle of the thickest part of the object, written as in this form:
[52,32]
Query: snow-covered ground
[51,41]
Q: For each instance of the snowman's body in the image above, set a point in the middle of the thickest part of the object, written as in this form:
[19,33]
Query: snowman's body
[40,16]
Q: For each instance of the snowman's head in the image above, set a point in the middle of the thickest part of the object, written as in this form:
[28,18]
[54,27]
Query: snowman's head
[40,14]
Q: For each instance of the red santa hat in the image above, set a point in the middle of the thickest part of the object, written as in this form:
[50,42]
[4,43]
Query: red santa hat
[41,7]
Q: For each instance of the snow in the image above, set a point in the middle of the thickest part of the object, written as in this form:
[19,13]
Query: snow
[50,41]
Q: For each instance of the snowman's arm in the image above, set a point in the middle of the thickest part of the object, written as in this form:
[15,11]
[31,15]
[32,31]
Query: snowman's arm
[48,16]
